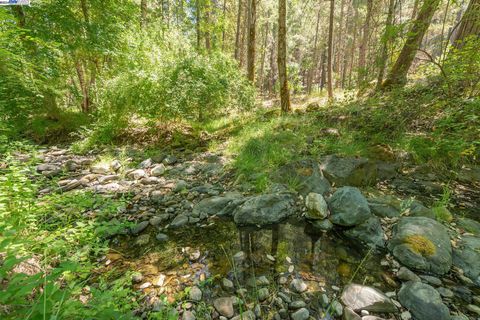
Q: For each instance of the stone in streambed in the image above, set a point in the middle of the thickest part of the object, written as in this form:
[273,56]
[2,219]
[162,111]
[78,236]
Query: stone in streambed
[423,301]
[348,207]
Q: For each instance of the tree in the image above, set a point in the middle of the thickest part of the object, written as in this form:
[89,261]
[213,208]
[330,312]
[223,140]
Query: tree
[398,73]
[330,52]
[469,25]
[237,33]
[385,42]
[362,52]
[282,56]
[143,13]
[252,16]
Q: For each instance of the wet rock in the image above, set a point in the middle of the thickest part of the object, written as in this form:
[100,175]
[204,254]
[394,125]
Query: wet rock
[322,225]
[306,174]
[358,297]
[247,315]
[139,227]
[317,206]
[298,285]
[265,209]
[406,274]
[158,170]
[349,171]
[301,314]
[467,257]
[224,306]
[179,221]
[385,206]
[348,207]
[423,301]
[162,237]
[422,244]
[195,294]
[369,232]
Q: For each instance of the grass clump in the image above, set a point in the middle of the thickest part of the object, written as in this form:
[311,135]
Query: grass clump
[421,245]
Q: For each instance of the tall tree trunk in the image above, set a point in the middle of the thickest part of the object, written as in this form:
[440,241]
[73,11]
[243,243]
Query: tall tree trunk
[338,41]
[398,74]
[282,56]
[330,52]
[273,64]
[345,45]
[354,41]
[323,71]
[206,29]
[243,38]
[197,23]
[385,42]
[469,25]
[362,53]
[223,23]
[414,10]
[252,17]
[263,52]
[143,13]
[237,33]
[314,65]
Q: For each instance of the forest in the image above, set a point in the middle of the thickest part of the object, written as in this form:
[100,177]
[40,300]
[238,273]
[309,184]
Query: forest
[240,159]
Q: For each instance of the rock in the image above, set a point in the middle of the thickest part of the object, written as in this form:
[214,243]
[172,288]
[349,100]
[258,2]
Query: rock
[137,174]
[284,297]
[47,167]
[423,301]
[101,168]
[297,304]
[444,292]
[317,206]
[71,165]
[301,314]
[406,274]
[262,294]
[406,315]
[349,171]
[158,170]
[322,225]
[73,184]
[474,309]
[298,285]
[385,206]
[467,257]
[169,160]
[155,221]
[337,308]
[179,221]
[417,209]
[224,306]
[162,237]
[180,186]
[469,225]
[306,176]
[115,165]
[349,314]
[324,300]
[469,174]
[434,281]
[145,164]
[188,315]
[358,297]
[219,205]
[137,277]
[227,284]
[262,281]
[142,240]
[195,294]
[369,232]
[139,227]
[265,209]
[247,315]
[348,207]
[422,244]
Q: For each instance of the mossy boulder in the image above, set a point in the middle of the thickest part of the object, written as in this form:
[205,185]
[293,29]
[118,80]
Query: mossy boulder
[467,257]
[349,171]
[385,206]
[422,244]
[369,232]
[423,301]
[348,207]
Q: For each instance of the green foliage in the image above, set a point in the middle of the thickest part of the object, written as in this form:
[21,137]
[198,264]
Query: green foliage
[50,247]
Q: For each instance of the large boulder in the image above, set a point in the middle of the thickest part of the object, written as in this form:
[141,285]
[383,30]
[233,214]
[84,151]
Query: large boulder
[423,244]
[423,301]
[358,297]
[219,205]
[369,232]
[265,209]
[467,257]
[305,176]
[348,207]
[349,171]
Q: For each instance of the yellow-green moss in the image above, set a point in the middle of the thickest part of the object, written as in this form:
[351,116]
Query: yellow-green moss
[420,245]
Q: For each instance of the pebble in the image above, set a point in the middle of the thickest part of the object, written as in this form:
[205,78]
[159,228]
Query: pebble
[298,285]
[188,315]
[162,237]
[262,294]
[301,314]
[297,304]
[224,306]
[195,294]
[406,315]
[337,308]
[227,284]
